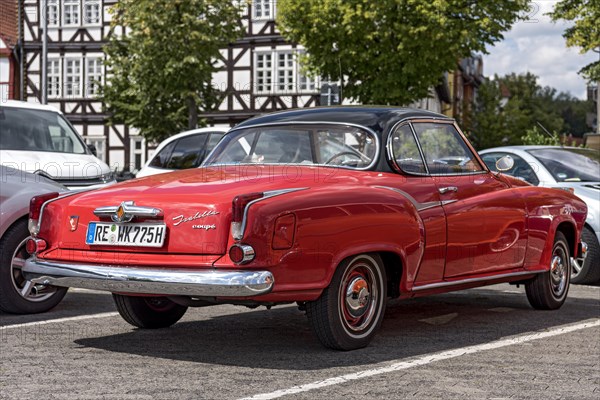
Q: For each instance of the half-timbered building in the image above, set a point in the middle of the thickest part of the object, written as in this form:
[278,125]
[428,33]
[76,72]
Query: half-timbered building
[258,73]
[8,59]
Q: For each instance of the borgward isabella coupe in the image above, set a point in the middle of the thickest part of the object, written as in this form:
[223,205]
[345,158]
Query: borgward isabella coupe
[337,209]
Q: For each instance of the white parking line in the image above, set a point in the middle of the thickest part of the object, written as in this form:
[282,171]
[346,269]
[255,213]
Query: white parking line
[427,359]
[59,320]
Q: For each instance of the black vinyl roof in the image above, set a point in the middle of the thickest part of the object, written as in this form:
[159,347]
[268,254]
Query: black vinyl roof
[377,118]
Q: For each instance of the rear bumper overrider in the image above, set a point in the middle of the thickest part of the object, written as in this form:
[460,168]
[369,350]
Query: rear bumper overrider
[140,280]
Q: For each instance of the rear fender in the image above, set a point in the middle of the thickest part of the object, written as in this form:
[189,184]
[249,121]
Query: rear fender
[331,225]
[548,209]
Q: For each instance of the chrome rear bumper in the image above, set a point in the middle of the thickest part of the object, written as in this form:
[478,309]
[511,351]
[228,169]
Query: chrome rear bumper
[165,281]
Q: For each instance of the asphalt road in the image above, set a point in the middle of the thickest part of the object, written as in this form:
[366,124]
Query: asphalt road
[481,343]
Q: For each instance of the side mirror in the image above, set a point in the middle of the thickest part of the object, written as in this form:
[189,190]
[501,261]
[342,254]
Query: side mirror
[505,163]
[93,149]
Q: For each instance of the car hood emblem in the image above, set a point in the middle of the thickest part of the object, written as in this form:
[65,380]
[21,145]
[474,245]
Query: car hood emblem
[120,215]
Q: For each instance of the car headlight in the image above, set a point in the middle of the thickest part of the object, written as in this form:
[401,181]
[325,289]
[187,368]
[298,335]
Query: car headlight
[109,177]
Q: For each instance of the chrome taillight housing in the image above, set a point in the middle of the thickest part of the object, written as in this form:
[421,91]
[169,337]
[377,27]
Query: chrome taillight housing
[35,210]
[239,205]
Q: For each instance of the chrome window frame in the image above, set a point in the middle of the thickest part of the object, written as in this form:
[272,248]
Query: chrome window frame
[374,161]
[410,121]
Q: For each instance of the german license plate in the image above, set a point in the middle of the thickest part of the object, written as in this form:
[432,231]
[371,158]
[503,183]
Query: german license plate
[140,235]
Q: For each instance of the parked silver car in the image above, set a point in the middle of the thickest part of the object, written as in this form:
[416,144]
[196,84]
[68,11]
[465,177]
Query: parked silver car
[570,168]
[18,295]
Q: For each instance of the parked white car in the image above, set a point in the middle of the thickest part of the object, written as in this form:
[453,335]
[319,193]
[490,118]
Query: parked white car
[38,139]
[184,150]
[571,168]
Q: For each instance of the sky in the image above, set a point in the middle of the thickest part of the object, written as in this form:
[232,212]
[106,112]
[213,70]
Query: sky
[537,46]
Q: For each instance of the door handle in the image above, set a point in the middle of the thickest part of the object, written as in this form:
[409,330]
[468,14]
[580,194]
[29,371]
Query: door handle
[448,189]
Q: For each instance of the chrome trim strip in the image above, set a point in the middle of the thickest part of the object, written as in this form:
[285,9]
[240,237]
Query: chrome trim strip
[472,280]
[418,206]
[266,195]
[369,130]
[129,209]
[165,281]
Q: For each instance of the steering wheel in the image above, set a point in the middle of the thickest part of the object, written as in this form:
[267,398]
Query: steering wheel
[344,153]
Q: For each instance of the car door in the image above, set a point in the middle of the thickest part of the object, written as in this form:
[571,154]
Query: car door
[486,220]
[420,188]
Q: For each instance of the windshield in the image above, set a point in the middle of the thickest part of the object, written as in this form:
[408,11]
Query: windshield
[37,130]
[318,144]
[570,165]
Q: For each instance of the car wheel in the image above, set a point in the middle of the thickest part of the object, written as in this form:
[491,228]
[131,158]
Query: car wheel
[18,295]
[548,290]
[588,270]
[351,308]
[148,312]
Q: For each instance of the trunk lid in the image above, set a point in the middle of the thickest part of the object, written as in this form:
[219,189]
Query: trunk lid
[195,204]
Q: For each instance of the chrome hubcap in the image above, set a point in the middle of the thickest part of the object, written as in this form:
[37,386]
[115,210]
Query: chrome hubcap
[558,272]
[359,296]
[24,287]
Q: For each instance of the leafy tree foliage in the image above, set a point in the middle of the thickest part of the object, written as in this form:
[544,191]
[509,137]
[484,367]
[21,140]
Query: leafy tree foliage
[392,51]
[509,108]
[585,33]
[161,70]
[535,137]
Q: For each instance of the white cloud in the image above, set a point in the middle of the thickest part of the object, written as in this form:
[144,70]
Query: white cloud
[537,46]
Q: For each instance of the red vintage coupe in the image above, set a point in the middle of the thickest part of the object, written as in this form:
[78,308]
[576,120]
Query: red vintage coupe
[337,209]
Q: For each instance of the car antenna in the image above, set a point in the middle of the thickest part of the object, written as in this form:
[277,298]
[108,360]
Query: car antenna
[549,134]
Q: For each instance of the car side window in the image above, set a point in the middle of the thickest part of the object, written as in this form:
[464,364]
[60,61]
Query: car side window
[444,149]
[521,170]
[187,152]
[406,152]
[161,159]
[213,140]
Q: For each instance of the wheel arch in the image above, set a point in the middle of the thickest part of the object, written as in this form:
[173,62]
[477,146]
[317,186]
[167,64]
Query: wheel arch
[568,229]
[393,259]
[13,223]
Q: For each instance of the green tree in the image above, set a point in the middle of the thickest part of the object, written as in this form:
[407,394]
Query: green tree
[392,51]
[160,72]
[585,32]
[508,107]
[535,136]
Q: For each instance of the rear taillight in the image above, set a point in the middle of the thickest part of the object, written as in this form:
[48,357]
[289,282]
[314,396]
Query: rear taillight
[34,246]
[35,209]
[241,253]
[239,205]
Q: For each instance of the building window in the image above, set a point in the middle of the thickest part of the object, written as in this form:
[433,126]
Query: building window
[100,144]
[137,152]
[306,83]
[264,72]
[52,12]
[53,82]
[72,77]
[91,11]
[264,9]
[285,71]
[93,76]
[71,12]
